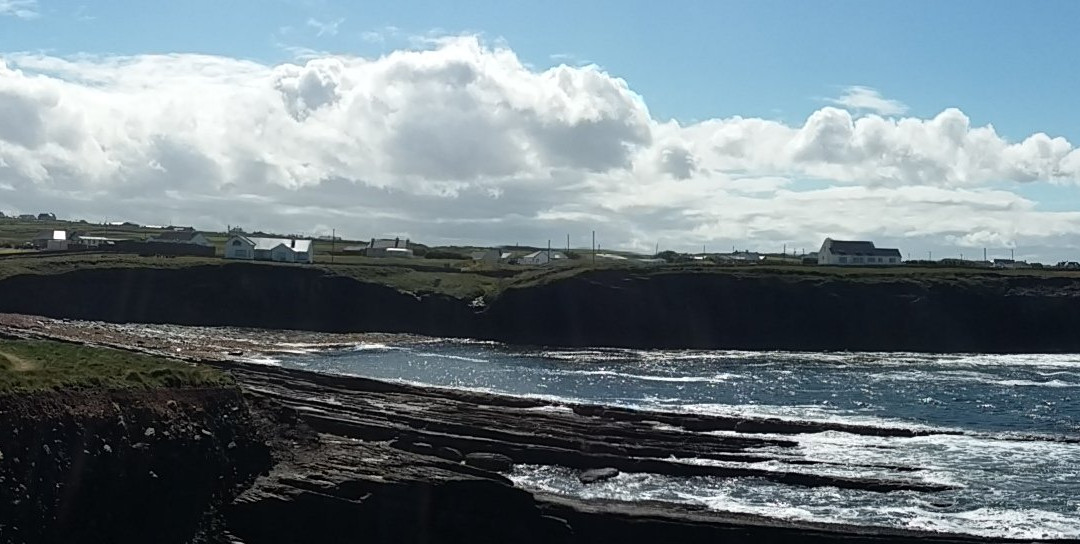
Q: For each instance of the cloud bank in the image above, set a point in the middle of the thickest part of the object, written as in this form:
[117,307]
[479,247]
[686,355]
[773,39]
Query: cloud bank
[463,142]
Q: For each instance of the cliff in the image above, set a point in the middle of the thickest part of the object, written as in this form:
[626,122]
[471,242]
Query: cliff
[750,309]
[122,466]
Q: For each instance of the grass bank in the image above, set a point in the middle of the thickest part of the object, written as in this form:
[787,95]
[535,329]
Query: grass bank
[42,365]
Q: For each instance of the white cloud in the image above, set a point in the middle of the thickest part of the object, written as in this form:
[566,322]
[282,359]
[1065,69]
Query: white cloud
[325,28]
[861,98]
[23,9]
[462,142]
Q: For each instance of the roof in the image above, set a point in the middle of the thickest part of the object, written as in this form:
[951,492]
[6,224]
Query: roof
[859,249]
[177,236]
[535,254]
[51,235]
[387,242]
[267,244]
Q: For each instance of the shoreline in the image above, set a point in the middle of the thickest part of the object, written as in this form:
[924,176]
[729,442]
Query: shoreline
[333,436]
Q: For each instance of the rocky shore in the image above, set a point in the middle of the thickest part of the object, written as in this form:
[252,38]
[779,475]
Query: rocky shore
[294,456]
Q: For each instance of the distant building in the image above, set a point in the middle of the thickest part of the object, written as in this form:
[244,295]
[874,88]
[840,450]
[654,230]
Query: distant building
[384,247]
[46,217]
[540,258]
[282,250]
[93,241]
[1010,264]
[851,253]
[53,240]
[27,217]
[491,256]
[181,237]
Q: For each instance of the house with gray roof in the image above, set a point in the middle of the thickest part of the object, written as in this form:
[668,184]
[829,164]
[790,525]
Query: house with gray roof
[282,250]
[856,253]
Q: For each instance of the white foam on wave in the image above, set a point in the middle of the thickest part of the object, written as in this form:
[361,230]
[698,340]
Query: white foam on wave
[716,378]
[260,360]
[451,357]
[796,413]
[953,376]
[995,522]
[371,346]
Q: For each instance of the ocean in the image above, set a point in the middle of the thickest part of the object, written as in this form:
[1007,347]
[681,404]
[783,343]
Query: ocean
[1015,460]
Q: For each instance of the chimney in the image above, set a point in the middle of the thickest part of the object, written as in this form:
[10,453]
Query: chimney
[292,243]
[372,245]
[396,241]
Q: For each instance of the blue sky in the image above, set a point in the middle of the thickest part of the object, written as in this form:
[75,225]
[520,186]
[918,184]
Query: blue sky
[785,108]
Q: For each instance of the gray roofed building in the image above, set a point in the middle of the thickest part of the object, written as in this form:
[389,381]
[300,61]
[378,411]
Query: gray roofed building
[181,237]
[856,253]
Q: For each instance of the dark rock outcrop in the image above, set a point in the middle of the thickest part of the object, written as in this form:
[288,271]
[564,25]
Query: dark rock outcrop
[594,475]
[122,466]
[972,312]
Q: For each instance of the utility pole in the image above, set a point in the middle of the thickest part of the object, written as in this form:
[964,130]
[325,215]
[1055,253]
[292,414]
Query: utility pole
[333,244]
[657,251]
[549,250]
[594,247]
[1012,254]
[568,243]
[930,255]
[984,254]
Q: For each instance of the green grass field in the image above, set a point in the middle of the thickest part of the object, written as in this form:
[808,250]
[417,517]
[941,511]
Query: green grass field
[41,365]
[460,278]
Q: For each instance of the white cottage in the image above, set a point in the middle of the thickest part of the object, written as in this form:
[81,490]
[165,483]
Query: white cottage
[540,258]
[282,250]
[849,253]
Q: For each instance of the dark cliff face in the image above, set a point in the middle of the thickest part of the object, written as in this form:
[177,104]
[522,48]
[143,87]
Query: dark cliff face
[977,313]
[122,466]
[982,314]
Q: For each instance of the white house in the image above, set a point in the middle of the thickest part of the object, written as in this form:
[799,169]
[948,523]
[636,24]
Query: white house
[540,258]
[849,253]
[282,250]
[182,237]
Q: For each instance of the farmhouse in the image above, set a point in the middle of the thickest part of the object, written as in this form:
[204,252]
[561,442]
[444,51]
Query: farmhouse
[851,253]
[383,247]
[540,258]
[53,240]
[181,237]
[282,250]
[491,256]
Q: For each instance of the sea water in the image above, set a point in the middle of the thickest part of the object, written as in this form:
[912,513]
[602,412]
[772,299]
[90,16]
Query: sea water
[1015,462]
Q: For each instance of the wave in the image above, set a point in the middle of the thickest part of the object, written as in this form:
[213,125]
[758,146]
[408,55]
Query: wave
[716,378]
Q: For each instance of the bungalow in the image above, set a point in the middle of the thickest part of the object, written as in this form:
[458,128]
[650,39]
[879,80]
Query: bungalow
[46,217]
[850,253]
[282,250]
[181,237]
[27,217]
[385,247]
[93,241]
[491,256]
[540,258]
[53,240]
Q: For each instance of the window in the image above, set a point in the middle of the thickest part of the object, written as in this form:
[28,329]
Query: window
[843,260]
[892,259]
[856,260]
[236,243]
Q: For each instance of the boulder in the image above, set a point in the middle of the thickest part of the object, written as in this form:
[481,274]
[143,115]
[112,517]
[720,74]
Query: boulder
[594,475]
[495,462]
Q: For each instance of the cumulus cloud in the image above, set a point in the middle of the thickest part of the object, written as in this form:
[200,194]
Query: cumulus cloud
[461,142]
[861,98]
[23,9]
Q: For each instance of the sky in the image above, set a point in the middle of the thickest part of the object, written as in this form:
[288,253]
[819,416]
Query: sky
[939,128]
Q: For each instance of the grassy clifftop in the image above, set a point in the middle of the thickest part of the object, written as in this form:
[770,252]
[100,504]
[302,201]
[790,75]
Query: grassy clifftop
[39,365]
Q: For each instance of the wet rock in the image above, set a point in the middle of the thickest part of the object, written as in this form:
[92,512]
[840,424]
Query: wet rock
[597,475]
[450,454]
[494,462]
